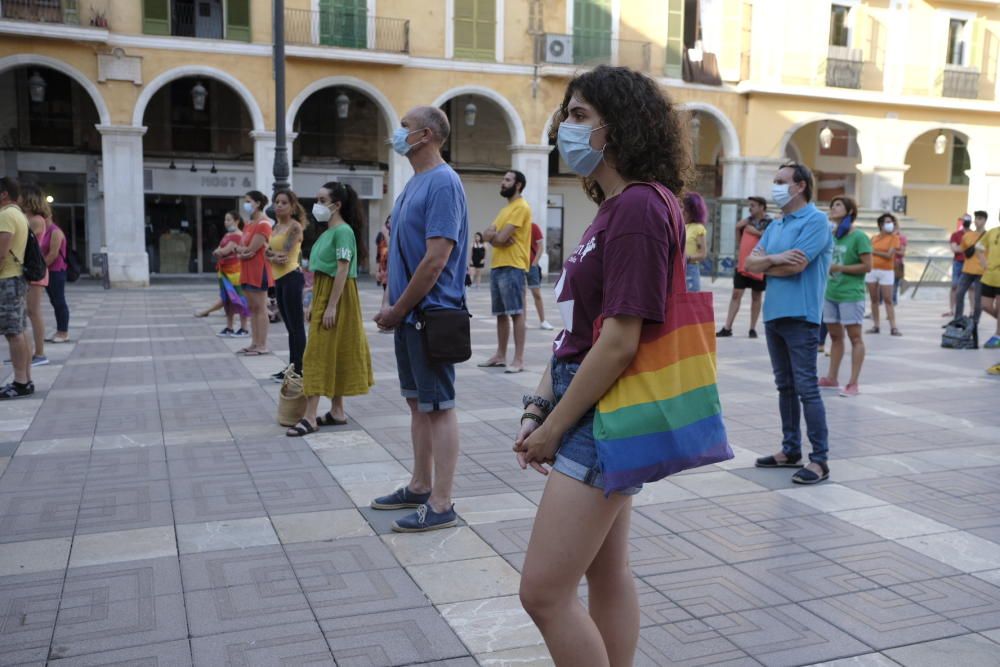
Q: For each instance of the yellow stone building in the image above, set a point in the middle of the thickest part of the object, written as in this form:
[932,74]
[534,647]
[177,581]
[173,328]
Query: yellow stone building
[147,119]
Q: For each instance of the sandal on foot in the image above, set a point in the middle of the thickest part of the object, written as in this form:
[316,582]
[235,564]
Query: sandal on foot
[771,462]
[329,420]
[895,332]
[301,429]
[873,330]
[807,476]
[492,364]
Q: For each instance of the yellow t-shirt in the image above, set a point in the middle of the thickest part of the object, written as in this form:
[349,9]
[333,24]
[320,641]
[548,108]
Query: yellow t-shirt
[695,231]
[972,265]
[518,253]
[277,244]
[12,221]
[991,243]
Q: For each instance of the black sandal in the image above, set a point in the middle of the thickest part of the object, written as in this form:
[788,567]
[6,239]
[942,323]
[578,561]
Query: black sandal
[771,462]
[301,429]
[807,476]
[329,420]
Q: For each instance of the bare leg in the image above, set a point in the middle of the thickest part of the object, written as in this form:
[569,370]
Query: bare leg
[443,426]
[243,322]
[991,306]
[734,308]
[20,357]
[613,601]
[951,300]
[230,317]
[890,310]
[873,295]
[423,459]
[520,332]
[836,350]
[503,335]
[572,525]
[35,316]
[337,408]
[756,301]
[857,351]
[312,406]
[536,294]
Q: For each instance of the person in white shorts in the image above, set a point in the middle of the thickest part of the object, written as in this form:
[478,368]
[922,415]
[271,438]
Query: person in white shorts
[885,245]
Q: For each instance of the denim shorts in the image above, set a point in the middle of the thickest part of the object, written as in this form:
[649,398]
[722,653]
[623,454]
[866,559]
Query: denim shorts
[535,277]
[577,454]
[432,385]
[846,313]
[956,271]
[507,290]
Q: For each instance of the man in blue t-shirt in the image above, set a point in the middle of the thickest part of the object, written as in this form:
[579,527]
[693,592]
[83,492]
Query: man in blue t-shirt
[795,253]
[427,266]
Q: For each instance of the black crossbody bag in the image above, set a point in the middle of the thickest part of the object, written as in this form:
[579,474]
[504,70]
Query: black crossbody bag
[446,332]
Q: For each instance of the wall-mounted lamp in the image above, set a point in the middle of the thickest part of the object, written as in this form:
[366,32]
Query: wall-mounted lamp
[36,87]
[470,114]
[49,198]
[171,165]
[213,170]
[940,143]
[826,137]
[343,104]
[198,96]
[193,168]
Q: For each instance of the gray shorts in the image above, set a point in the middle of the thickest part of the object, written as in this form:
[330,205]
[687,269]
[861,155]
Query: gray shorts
[849,312]
[13,305]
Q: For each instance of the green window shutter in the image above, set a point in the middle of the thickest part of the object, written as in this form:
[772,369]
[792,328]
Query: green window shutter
[156,17]
[675,39]
[238,20]
[475,29]
[591,31]
[344,23]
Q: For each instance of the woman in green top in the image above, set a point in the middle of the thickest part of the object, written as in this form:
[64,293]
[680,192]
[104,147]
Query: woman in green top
[844,308]
[337,361]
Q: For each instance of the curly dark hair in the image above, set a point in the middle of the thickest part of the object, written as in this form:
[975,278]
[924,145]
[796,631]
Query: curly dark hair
[647,137]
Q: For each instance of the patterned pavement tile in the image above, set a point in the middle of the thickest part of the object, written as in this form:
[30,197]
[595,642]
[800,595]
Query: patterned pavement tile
[966,600]
[960,550]
[315,560]
[882,619]
[805,576]
[714,590]
[741,543]
[167,654]
[819,531]
[392,638]
[294,644]
[470,579]
[661,554]
[144,579]
[258,566]
[691,642]
[965,650]
[688,515]
[333,595]
[218,610]
[28,608]
[888,563]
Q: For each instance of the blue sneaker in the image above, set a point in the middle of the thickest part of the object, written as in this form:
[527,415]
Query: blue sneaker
[39,360]
[425,519]
[401,498]
[993,343]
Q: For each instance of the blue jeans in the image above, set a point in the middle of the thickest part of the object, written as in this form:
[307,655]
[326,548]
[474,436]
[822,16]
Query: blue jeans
[792,345]
[693,276]
[56,289]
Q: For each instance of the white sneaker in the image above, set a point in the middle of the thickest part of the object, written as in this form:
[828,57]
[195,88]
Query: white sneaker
[545,325]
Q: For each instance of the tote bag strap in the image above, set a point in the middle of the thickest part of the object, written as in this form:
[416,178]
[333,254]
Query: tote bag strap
[674,286]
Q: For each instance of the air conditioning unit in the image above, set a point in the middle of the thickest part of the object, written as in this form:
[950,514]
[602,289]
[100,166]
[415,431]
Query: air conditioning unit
[558,49]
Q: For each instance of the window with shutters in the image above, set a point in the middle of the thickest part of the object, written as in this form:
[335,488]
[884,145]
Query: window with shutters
[591,31]
[207,19]
[343,23]
[475,29]
[675,39]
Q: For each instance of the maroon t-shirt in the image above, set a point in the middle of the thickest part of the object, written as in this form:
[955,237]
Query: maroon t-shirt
[620,268]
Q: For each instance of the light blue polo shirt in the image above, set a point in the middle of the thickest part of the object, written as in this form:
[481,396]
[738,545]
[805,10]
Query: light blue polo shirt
[800,295]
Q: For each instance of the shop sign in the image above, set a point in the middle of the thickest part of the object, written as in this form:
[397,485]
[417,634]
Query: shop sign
[183,181]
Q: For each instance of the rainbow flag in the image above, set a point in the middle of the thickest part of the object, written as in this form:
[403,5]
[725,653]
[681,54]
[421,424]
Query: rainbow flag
[663,414]
[232,294]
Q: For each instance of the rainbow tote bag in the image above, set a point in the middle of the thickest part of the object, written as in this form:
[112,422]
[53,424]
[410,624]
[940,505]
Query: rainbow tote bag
[663,414]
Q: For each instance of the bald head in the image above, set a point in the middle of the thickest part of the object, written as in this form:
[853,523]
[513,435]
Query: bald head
[432,118]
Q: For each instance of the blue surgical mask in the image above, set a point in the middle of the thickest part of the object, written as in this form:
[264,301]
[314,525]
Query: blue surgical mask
[780,194]
[573,140]
[399,143]
[844,226]
[247,208]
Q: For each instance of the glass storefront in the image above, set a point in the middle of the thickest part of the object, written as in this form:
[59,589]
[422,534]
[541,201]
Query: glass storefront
[69,206]
[182,232]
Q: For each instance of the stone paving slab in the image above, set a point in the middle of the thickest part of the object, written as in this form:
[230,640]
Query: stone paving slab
[151,512]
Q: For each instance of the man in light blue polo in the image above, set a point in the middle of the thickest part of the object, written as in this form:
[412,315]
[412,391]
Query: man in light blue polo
[795,253]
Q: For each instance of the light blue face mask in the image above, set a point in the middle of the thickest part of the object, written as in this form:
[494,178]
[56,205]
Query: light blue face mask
[573,140]
[399,143]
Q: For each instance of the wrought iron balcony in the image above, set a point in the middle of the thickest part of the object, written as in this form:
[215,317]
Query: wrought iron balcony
[844,67]
[346,29]
[960,82]
[41,11]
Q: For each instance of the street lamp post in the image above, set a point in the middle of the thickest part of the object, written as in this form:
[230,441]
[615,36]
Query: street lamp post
[280,169]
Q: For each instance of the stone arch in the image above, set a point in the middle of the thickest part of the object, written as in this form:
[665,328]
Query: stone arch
[150,89]
[514,124]
[974,146]
[29,59]
[389,114]
[730,137]
[786,138]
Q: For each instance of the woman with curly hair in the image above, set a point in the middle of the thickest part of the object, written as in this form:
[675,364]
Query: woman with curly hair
[696,247]
[617,130]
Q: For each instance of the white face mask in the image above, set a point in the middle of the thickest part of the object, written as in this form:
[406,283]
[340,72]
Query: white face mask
[321,212]
[247,209]
[888,227]
[780,194]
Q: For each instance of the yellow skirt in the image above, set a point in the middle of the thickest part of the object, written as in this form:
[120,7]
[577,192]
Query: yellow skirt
[337,361]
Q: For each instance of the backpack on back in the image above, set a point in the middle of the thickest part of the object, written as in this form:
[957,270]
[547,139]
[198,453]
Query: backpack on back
[33,267]
[959,334]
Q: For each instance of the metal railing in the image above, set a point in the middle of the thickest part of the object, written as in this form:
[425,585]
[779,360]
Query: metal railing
[186,22]
[345,29]
[590,51]
[42,11]
[844,67]
[960,82]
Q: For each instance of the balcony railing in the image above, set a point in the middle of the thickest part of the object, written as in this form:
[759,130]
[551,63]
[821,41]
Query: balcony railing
[41,11]
[345,29]
[844,67]
[186,22]
[590,51]
[960,82]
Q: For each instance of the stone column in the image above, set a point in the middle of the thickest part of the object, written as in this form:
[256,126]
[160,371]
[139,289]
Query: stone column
[263,160]
[533,161]
[879,184]
[984,193]
[124,206]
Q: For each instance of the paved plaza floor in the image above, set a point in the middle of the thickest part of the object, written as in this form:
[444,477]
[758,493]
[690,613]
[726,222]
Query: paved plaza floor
[153,513]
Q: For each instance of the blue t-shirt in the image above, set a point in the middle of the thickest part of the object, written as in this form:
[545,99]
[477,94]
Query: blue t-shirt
[800,295]
[432,205]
